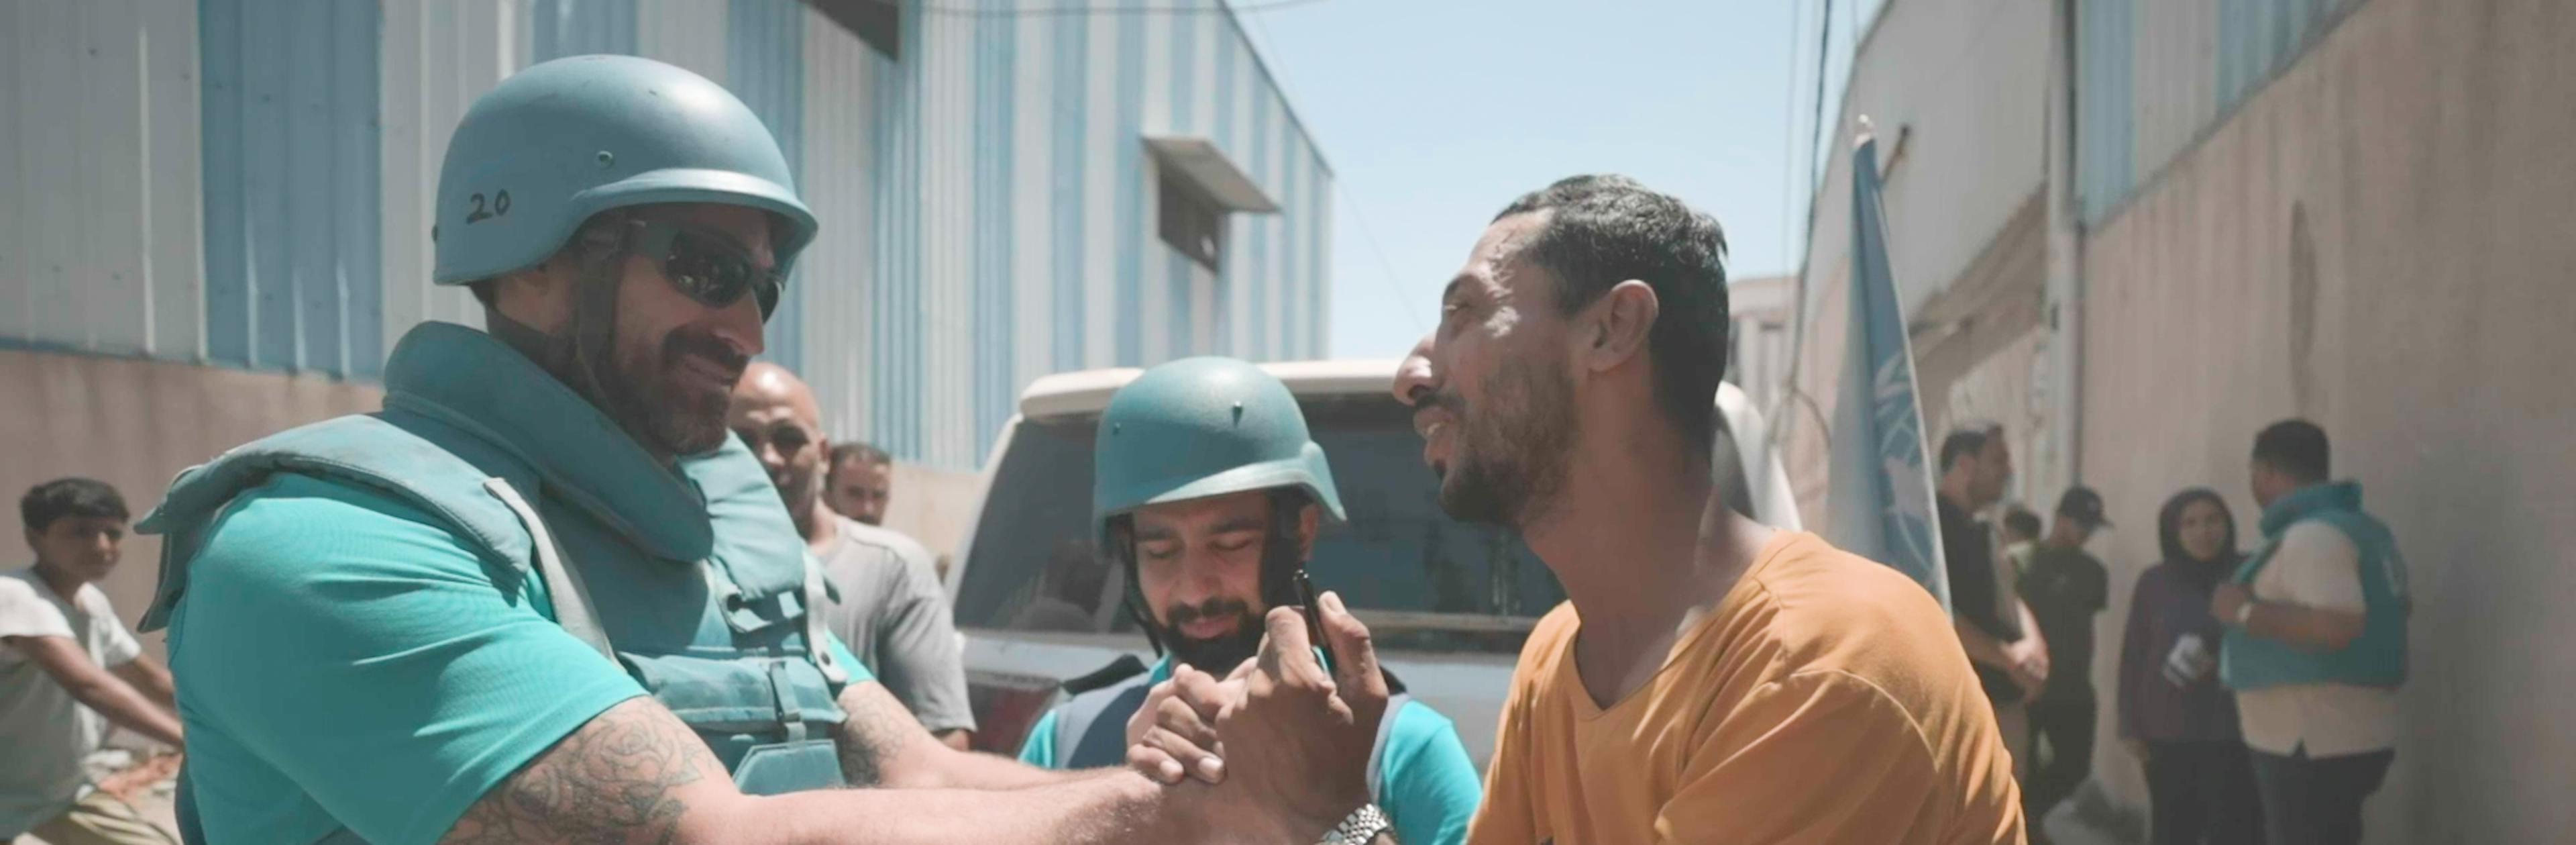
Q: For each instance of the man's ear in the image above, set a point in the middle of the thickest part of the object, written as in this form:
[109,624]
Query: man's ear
[538,297]
[1615,329]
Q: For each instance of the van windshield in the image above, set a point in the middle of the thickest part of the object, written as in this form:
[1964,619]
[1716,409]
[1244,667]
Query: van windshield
[1424,581]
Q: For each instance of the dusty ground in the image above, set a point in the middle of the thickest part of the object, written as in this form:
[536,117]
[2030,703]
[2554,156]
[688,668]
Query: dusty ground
[147,785]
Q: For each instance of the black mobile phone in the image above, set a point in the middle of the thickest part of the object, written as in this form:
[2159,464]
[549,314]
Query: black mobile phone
[1314,617]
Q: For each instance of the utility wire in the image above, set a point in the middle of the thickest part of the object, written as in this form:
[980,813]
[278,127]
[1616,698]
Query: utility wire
[1798,334]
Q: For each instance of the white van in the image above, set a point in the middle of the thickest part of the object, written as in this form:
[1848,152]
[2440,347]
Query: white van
[1448,603]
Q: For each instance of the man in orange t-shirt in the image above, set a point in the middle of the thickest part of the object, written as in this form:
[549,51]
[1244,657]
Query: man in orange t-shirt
[1818,702]
[1709,679]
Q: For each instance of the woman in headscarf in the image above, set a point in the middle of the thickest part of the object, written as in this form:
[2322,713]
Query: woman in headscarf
[2173,712]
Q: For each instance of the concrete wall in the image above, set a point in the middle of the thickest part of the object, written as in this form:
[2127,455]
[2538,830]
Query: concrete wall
[2380,241]
[1760,311]
[1955,91]
[135,424]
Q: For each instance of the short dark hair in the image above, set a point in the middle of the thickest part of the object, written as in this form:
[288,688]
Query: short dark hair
[70,497]
[2021,521]
[2295,447]
[855,452]
[1605,229]
[1966,440]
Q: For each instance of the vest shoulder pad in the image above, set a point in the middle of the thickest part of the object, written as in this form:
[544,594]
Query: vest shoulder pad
[418,461]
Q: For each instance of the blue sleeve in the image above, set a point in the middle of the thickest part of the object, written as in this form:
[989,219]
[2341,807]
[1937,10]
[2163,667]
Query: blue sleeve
[1426,782]
[1039,749]
[850,664]
[354,645]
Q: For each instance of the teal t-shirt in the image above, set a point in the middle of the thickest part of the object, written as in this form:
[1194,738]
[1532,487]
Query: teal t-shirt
[1426,782]
[346,660]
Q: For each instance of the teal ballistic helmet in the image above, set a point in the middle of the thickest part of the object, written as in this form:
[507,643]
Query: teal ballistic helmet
[570,138]
[1201,427]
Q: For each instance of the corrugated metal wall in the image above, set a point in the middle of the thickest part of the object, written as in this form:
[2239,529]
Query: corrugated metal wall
[292,199]
[437,56]
[988,205]
[840,182]
[100,236]
[765,66]
[1013,234]
[2154,76]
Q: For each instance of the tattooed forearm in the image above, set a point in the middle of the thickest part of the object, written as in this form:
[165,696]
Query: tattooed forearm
[875,731]
[611,782]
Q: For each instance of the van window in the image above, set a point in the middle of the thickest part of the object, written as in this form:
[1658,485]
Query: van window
[1423,580]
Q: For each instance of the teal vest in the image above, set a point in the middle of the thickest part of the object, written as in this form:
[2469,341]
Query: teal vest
[2376,658]
[695,583]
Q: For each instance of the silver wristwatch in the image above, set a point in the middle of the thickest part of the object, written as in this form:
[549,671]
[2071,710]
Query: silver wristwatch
[1360,828]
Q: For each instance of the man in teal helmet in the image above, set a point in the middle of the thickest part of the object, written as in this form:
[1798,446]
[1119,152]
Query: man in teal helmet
[1208,491]
[543,596]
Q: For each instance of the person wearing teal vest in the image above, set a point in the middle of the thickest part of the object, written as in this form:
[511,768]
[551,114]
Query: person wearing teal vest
[544,596]
[2315,647]
[1208,492]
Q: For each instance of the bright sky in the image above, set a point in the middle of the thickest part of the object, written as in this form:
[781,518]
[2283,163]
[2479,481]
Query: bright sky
[1434,114]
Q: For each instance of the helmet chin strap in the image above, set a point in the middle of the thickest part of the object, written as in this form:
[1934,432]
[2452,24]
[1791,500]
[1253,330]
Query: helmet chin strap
[593,327]
[1122,552]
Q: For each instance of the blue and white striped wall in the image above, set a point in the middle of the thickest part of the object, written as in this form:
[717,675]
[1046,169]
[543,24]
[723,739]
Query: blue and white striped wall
[2153,77]
[247,183]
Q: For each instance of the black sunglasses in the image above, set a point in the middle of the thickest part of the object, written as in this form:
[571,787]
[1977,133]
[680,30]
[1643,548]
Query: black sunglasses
[706,267]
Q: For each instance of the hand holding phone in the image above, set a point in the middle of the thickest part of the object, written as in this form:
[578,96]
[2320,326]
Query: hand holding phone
[1314,618]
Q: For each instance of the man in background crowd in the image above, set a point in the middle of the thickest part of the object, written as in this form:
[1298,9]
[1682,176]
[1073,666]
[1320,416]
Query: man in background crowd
[859,482]
[2020,531]
[1994,626]
[887,605]
[2316,642]
[2065,588]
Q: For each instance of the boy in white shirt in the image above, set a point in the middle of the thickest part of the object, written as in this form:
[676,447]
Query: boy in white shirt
[68,668]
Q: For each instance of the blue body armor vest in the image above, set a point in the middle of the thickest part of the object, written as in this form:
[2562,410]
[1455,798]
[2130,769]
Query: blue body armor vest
[699,587]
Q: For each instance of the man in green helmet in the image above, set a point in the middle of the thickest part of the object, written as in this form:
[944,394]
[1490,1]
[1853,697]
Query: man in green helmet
[1208,492]
[544,597]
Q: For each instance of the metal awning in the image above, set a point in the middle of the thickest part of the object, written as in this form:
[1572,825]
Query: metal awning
[1198,160]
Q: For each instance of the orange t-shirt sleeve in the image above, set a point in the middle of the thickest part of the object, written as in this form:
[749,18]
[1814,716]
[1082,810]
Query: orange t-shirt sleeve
[1818,757]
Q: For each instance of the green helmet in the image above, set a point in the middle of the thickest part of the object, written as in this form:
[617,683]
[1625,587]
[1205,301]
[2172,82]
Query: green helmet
[1200,427]
[570,138]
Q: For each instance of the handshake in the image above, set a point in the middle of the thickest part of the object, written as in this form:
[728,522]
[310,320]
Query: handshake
[1279,746]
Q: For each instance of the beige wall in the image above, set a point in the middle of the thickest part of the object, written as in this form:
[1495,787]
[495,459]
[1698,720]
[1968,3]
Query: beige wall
[2421,314]
[135,424]
[933,506]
